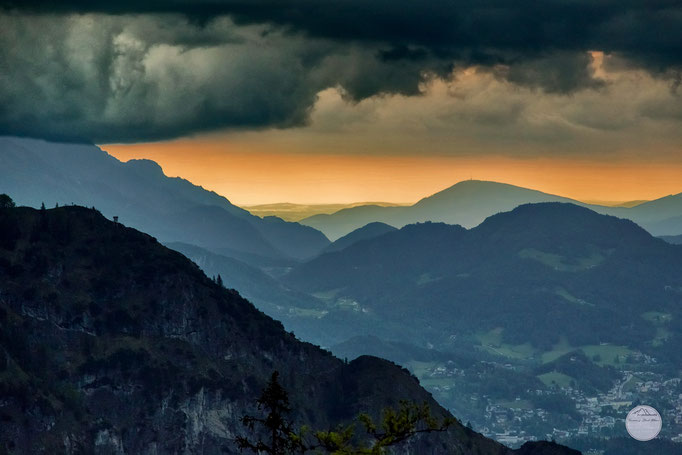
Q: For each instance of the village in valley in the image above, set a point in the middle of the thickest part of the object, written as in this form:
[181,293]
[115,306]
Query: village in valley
[558,412]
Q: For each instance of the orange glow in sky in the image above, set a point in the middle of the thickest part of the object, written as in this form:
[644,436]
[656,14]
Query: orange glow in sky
[248,177]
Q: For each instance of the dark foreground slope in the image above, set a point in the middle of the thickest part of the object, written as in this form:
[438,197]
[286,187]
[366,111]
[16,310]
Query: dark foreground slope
[293,308]
[112,343]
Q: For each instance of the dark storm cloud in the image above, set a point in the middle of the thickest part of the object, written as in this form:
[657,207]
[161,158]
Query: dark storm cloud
[111,79]
[128,78]
[556,73]
[648,31]
[215,75]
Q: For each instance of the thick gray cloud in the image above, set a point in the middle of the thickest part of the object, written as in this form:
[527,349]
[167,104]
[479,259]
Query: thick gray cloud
[116,78]
[128,71]
[121,78]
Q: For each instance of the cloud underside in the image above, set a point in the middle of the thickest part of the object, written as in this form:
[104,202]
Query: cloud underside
[136,71]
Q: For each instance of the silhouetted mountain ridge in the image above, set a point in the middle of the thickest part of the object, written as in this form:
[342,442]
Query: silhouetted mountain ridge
[560,226]
[674,239]
[171,209]
[267,293]
[469,202]
[466,203]
[366,232]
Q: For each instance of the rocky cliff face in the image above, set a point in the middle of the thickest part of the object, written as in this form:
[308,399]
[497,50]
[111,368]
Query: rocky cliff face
[112,343]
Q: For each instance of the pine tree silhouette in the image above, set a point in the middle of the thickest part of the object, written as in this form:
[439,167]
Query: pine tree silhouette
[275,402]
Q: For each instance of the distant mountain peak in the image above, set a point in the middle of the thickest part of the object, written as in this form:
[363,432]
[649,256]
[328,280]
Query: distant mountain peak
[551,207]
[170,208]
[481,182]
[146,167]
[478,184]
[562,219]
[483,188]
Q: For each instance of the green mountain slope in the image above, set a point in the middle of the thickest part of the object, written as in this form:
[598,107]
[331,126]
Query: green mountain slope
[540,274]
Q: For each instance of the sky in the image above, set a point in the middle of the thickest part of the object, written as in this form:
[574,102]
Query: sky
[347,100]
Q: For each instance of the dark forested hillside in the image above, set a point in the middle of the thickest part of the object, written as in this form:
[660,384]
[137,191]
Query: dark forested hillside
[112,343]
[542,274]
